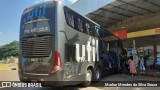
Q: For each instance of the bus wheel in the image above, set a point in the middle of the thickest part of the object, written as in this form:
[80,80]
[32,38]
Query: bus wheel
[98,74]
[88,78]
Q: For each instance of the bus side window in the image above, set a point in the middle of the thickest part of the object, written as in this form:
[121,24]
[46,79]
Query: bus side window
[92,31]
[69,52]
[70,19]
[87,28]
[79,24]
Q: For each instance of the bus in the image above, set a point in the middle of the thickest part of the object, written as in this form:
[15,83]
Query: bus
[60,47]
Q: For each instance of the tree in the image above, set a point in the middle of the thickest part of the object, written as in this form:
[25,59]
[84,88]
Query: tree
[9,50]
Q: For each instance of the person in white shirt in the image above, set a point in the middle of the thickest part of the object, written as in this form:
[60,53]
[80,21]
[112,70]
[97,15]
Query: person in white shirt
[142,67]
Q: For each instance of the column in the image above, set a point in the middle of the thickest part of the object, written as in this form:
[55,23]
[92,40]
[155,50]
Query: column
[155,51]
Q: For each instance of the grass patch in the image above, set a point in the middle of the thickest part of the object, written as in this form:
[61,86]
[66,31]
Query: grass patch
[4,67]
[7,66]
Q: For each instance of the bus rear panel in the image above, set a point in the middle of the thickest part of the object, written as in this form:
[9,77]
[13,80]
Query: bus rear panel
[38,58]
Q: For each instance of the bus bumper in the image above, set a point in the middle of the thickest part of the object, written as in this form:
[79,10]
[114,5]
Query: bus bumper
[46,80]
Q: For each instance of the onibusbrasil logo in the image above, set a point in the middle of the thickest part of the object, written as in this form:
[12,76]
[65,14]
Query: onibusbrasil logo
[20,84]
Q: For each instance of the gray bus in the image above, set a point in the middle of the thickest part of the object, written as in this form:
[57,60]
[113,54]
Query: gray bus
[60,47]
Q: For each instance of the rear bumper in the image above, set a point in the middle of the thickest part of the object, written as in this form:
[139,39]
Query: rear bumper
[50,79]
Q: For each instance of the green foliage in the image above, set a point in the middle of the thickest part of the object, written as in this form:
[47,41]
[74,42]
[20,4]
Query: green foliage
[9,50]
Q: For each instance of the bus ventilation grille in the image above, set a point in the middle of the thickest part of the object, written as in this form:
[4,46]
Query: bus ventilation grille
[36,46]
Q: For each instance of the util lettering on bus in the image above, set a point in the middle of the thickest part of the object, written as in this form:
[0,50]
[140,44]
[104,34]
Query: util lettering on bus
[92,51]
[38,12]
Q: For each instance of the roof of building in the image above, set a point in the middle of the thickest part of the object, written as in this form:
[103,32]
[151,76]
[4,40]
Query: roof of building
[123,11]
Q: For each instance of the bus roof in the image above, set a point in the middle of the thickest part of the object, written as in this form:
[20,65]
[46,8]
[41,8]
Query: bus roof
[28,9]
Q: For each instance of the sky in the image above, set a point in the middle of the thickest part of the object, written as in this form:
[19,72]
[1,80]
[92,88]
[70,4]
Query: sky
[10,15]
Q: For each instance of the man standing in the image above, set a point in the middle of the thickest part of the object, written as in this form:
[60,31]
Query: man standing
[142,67]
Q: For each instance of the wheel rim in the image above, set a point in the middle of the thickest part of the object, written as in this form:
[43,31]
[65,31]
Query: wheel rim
[88,76]
[97,74]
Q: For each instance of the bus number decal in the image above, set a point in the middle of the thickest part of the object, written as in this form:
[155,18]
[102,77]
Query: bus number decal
[37,30]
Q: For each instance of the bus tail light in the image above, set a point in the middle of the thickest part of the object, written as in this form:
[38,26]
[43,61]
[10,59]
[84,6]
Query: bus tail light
[57,64]
[54,0]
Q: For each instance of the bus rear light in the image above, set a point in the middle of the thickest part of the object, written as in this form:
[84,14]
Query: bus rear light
[54,0]
[57,64]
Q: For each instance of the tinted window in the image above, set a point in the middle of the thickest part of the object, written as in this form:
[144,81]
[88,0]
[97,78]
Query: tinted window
[39,19]
[78,22]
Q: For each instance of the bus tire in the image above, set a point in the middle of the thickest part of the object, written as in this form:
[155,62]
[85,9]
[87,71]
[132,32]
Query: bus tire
[98,74]
[88,78]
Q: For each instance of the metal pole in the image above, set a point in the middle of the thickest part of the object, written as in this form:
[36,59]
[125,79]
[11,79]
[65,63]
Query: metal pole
[134,50]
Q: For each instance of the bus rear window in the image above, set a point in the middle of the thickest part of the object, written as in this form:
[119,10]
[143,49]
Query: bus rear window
[38,19]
